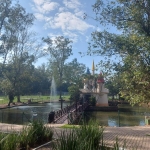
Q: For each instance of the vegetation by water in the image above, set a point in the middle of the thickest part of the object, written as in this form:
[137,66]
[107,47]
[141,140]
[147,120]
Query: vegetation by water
[29,137]
[84,137]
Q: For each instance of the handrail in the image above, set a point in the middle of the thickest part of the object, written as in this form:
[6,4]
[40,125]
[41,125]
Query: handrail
[72,110]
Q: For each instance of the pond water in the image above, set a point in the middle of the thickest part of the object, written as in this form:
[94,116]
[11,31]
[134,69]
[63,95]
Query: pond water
[28,113]
[126,116]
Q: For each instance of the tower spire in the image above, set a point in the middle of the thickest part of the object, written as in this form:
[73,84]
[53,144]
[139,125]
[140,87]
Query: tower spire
[93,68]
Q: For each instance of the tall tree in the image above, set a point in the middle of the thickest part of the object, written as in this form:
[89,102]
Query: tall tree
[40,81]
[19,50]
[74,72]
[59,50]
[5,11]
[131,46]
[17,76]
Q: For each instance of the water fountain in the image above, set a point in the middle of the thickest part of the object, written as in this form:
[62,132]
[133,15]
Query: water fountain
[53,92]
[53,95]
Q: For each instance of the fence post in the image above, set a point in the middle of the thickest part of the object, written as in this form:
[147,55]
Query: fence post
[118,118]
[22,117]
[2,116]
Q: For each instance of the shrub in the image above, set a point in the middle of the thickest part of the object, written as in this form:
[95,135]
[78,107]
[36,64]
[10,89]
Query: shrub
[38,133]
[29,137]
[74,92]
[93,100]
[86,137]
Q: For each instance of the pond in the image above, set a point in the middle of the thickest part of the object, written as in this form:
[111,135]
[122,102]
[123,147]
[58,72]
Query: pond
[126,116]
[28,113]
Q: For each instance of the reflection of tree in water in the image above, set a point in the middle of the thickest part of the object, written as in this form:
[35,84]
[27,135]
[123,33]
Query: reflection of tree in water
[97,116]
[12,117]
[132,117]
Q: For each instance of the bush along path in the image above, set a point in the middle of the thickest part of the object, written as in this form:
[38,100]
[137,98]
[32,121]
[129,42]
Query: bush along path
[26,139]
[83,137]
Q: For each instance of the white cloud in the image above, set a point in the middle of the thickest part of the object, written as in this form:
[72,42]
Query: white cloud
[72,36]
[44,6]
[68,21]
[72,4]
[38,2]
[39,16]
[49,6]
[88,38]
[79,14]
[62,9]
[67,16]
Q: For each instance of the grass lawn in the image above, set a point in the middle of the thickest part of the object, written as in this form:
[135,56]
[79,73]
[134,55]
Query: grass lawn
[34,98]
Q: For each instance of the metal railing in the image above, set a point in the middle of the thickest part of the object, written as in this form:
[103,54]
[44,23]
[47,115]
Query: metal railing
[71,113]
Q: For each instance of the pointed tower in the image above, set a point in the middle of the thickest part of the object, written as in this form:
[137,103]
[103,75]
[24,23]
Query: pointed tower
[93,68]
[88,71]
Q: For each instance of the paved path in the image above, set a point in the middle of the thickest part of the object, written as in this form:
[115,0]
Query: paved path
[134,138]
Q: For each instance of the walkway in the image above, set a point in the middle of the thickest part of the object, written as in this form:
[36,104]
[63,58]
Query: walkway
[137,137]
[134,138]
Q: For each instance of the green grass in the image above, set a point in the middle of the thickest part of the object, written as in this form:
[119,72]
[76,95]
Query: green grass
[30,137]
[67,126]
[34,98]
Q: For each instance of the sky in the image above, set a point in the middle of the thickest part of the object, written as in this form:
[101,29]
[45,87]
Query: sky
[65,17]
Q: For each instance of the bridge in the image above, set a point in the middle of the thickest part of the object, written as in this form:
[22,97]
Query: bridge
[67,115]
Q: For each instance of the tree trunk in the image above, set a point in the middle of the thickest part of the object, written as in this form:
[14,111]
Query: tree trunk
[113,97]
[9,103]
[60,92]
[18,98]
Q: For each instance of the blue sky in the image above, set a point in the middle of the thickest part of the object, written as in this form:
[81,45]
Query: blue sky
[65,17]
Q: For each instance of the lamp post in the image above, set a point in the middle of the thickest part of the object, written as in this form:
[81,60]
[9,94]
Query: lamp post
[118,118]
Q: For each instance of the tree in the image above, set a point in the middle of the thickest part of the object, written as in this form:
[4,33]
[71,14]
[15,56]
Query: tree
[5,11]
[40,82]
[113,84]
[131,46]
[73,72]
[59,50]
[74,92]
[19,48]
[17,75]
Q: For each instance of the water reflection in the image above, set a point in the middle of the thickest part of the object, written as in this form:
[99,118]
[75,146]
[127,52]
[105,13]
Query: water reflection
[126,116]
[26,114]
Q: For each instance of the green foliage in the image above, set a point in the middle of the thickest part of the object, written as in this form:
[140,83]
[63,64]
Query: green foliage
[28,138]
[113,84]
[38,133]
[68,126]
[9,141]
[59,50]
[86,137]
[74,92]
[126,53]
[40,81]
[92,100]
[17,55]
[73,72]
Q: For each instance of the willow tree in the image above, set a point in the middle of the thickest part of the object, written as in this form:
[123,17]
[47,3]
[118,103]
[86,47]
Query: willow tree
[132,45]
[59,49]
